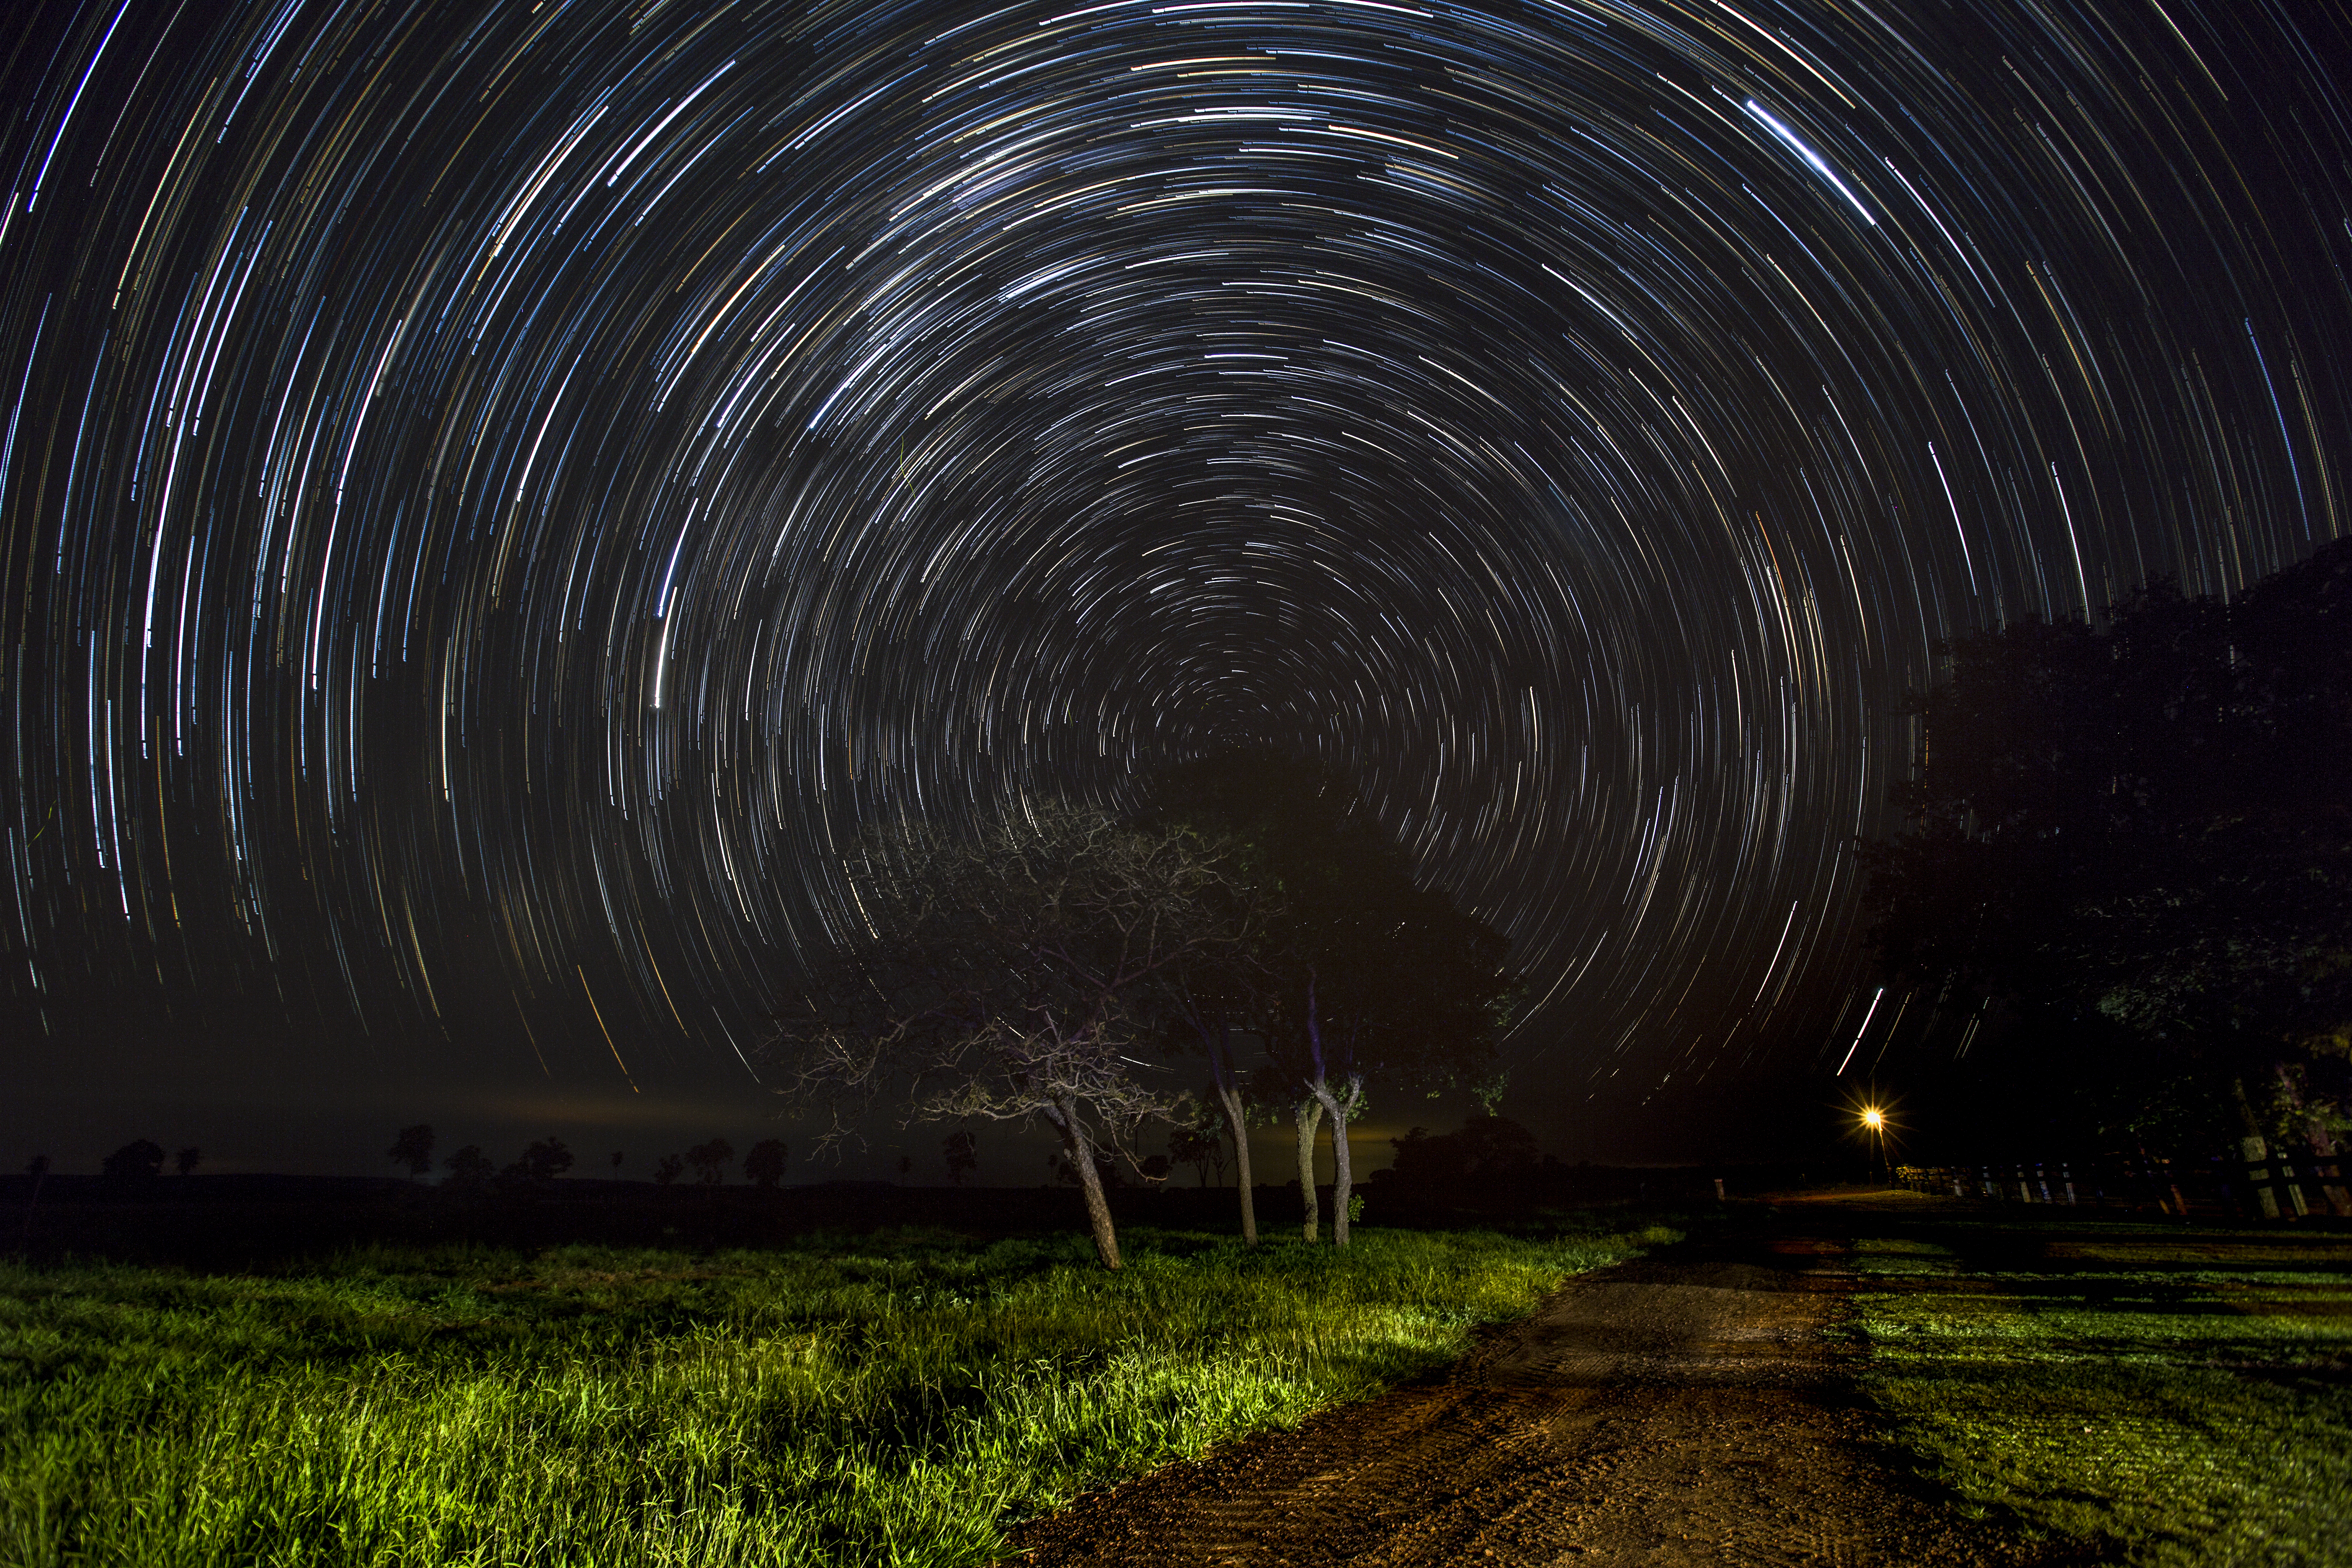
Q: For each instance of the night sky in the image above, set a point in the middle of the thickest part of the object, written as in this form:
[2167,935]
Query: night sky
[494,495]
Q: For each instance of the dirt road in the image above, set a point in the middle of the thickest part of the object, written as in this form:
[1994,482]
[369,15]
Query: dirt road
[1682,1409]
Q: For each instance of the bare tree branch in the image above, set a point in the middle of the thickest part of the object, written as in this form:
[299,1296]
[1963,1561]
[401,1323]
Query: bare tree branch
[1018,976]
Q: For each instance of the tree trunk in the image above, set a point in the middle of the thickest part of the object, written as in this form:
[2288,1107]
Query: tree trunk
[1343,1169]
[1308,1113]
[1080,1152]
[2323,1147]
[2255,1151]
[1236,1119]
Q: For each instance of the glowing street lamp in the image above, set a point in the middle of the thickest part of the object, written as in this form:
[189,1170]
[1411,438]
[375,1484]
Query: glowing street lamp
[1873,1121]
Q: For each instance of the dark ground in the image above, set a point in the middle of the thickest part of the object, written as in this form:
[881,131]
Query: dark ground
[235,1222]
[1686,1408]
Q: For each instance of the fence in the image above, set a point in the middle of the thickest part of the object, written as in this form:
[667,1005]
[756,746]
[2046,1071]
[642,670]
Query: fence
[2260,1184]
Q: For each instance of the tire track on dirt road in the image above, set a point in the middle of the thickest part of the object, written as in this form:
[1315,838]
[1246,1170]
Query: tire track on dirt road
[1686,1408]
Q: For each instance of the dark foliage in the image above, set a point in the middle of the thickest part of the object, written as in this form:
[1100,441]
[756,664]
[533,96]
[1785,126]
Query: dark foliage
[2138,842]
[1017,973]
[412,1149]
[1487,1152]
[710,1161]
[1108,1169]
[764,1165]
[470,1168]
[542,1162]
[1198,1142]
[960,1149]
[135,1164]
[1359,970]
[1355,975]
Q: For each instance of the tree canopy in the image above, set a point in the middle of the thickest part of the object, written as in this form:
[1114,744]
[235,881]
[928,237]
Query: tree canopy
[135,1164]
[1018,974]
[2141,832]
[1353,971]
[1043,968]
[766,1162]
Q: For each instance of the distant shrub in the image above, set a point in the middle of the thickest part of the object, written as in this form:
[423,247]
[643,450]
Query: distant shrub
[412,1149]
[470,1168]
[1488,1152]
[765,1164]
[710,1161]
[135,1164]
[961,1149]
[542,1162]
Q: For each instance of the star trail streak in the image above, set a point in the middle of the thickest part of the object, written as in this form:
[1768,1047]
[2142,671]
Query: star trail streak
[495,494]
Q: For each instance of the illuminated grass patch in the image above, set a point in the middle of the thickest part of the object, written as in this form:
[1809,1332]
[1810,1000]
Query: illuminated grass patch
[2160,1396]
[887,1399]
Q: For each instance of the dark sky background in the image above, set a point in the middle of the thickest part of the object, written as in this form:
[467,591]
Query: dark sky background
[494,494]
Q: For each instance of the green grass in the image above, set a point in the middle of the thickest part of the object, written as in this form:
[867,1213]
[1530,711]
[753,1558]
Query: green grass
[2154,1396]
[899,1398]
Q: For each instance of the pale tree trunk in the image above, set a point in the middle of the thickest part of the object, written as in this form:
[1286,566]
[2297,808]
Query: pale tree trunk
[1236,1118]
[1076,1148]
[2255,1150]
[2323,1146]
[1343,1169]
[1308,1113]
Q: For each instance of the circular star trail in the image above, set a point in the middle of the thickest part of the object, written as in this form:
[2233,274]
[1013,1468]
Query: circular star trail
[493,495]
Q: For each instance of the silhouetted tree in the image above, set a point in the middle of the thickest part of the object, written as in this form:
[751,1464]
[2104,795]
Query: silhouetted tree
[1489,1153]
[1019,976]
[1196,1141]
[668,1168]
[617,1157]
[1108,1174]
[469,1169]
[542,1162]
[413,1149]
[2139,835]
[765,1164]
[135,1164]
[710,1161]
[1264,814]
[1350,973]
[186,1161]
[1388,982]
[962,1152]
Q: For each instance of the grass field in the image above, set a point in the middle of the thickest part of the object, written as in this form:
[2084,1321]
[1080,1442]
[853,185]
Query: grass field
[2153,1394]
[894,1398]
